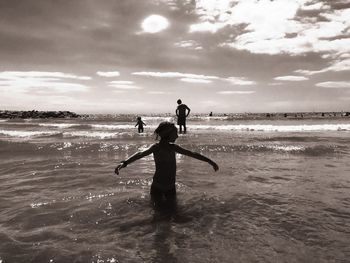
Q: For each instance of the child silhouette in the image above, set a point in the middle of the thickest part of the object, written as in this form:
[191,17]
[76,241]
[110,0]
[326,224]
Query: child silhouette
[164,153]
[140,124]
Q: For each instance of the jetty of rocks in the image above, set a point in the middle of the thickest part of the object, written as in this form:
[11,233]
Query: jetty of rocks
[34,114]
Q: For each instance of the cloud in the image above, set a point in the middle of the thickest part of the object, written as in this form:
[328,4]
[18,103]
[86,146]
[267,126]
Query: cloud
[40,87]
[220,13]
[291,78]
[334,84]
[123,85]
[308,72]
[340,65]
[121,82]
[240,81]
[315,7]
[189,44]
[239,92]
[336,66]
[108,74]
[207,27]
[40,82]
[265,33]
[195,80]
[173,75]
[157,92]
[39,74]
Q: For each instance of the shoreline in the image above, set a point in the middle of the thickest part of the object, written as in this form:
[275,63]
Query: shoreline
[34,114]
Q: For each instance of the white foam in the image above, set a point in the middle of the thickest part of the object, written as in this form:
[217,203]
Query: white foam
[113,126]
[24,134]
[39,204]
[277,128]
[154,118]
[208,118]
[287,148]
[65,145]
[120,126]
[59,125]
[90,134]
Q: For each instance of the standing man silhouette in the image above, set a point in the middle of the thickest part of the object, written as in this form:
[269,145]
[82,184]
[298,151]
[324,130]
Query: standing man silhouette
[181,115]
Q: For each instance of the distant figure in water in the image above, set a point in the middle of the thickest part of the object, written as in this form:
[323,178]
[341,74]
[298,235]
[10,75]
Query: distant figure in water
[211,114]
[163,191]
[140,124]
[182,111]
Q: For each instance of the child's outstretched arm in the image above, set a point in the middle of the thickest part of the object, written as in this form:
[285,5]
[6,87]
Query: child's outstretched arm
[134,157]
[195,155]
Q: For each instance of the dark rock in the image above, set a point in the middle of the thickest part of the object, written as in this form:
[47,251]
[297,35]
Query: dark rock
[33,114]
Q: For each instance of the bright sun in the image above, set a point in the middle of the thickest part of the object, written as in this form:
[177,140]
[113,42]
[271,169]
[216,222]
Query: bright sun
[154,24]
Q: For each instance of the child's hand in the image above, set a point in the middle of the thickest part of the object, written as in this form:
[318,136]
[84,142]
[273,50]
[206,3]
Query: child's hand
[215,166]
[120,166]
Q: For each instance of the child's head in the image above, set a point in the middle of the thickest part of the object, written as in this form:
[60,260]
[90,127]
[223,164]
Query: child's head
[166,131]
[138,118]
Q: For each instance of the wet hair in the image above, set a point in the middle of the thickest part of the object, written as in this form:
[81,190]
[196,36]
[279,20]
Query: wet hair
[179,101]
[164,130]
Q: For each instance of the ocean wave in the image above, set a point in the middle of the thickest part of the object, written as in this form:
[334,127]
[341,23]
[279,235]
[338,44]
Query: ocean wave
[274,128]
[240,127]
[209,118]
[314,150]
[194,127]
[19,125]
[113,126]
[69,134]
[27,134]
[291,138]
[69,146]
[97,134]
[157,118]
[59,125]
[24,147]
[111,147]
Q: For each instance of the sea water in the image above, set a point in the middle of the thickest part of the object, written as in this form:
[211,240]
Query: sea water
[282,193]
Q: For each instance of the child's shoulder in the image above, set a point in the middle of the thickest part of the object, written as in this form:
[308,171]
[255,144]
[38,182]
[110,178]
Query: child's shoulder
[155,145]
[165,145]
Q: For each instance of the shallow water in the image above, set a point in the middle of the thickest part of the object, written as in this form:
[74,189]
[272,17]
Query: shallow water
[281,194]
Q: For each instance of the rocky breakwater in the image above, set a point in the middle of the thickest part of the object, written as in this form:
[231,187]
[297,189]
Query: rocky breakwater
[37,114]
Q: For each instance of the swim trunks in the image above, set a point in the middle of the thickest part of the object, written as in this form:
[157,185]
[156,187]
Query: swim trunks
[160,196]
[181,120]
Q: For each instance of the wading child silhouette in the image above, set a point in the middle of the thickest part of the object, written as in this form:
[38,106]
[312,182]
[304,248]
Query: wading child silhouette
[140,124]
[164,152]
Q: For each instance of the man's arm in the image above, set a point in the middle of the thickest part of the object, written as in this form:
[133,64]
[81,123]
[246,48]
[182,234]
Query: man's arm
[189,110]
[177,111]
[134,158]
[195,155]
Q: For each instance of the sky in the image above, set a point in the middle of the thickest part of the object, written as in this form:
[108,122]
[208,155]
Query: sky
[140,56]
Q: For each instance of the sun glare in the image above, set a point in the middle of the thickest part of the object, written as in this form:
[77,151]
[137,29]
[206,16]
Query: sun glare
[154,24]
